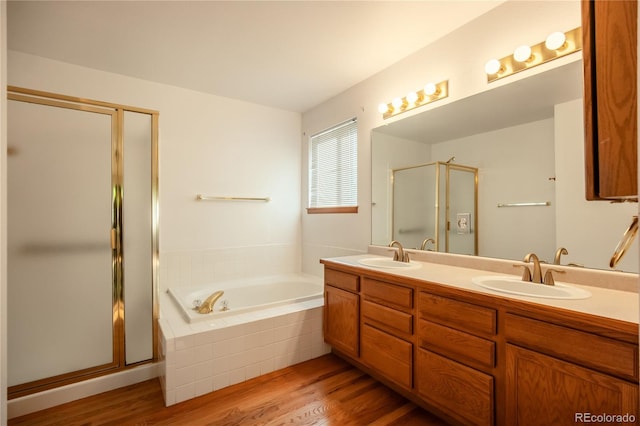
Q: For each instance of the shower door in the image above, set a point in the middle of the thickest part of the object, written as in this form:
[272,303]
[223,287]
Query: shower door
[66,315]
[413,205]
[437,202]
[462,208]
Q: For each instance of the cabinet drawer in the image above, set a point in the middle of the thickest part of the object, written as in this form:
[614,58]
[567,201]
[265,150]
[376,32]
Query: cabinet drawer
[342,280]
[388,319]
[456,344]
[390,356]
[459,315]
[387,294]
[462,392]
[590,350]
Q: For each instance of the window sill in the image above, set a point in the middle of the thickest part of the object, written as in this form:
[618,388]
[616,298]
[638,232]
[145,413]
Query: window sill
[324,210]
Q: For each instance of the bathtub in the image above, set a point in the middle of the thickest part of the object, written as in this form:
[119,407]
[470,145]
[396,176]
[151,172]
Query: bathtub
[240,297]
[271,323]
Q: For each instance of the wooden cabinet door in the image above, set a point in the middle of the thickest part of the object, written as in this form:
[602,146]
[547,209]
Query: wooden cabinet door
[542,390]
[341,320]
[610,98]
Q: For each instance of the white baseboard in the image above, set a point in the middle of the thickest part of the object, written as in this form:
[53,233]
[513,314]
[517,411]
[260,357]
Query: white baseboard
[52,397]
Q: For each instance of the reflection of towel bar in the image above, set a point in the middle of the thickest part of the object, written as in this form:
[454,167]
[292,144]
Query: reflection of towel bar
[204,198]
[542,203]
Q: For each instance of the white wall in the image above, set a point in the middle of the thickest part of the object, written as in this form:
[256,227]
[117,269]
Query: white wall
[208,145]
[458,57]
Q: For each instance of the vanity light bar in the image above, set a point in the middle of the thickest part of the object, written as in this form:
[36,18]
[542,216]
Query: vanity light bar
[430,93]
[557,45]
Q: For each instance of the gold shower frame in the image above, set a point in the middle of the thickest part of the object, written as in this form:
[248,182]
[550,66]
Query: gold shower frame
[449,166]
[117,140]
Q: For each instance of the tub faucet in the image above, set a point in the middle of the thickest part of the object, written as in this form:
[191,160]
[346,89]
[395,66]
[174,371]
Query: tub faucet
[426,241]
[207,306]
[400,255]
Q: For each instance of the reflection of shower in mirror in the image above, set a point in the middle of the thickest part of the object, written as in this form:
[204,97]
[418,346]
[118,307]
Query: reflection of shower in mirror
[427,198]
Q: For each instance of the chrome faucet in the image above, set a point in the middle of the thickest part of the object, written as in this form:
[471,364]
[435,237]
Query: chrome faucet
[207,306]
[559,253]
[426,241]
[400,255]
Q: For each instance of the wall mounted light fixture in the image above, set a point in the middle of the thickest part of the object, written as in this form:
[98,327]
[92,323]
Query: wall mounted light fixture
[429,93]
[557,45]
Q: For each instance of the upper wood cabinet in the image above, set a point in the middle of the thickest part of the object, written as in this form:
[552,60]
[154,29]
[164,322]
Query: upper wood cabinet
[610,98]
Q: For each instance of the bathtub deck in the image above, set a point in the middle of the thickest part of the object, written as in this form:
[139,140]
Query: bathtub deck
[322,391]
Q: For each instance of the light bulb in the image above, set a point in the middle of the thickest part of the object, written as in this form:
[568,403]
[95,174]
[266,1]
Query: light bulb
[382,108]
[522,53]
[397,102]
[430,89]
[412,97]
[493,66]
[555,41]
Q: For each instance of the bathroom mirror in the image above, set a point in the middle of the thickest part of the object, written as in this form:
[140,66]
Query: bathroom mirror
[526,138]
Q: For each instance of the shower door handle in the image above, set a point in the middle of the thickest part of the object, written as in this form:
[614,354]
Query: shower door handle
[114,238]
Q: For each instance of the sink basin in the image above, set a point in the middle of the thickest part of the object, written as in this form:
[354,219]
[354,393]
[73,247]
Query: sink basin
[381,262]
[517,286]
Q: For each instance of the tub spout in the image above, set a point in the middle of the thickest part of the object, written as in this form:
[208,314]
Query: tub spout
[207,306]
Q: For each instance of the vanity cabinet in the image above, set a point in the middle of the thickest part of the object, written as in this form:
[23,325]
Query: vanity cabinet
[610,98]
[478,359]
[341,326]
[555,373]
[456,357]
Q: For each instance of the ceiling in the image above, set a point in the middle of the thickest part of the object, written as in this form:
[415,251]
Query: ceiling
[291,55]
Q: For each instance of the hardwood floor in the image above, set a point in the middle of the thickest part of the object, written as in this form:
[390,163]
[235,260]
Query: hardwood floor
[323,391]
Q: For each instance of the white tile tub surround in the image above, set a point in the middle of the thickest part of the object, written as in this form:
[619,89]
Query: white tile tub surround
[203,357]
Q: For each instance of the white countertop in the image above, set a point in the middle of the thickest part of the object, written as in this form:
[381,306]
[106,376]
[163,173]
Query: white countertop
[604,302]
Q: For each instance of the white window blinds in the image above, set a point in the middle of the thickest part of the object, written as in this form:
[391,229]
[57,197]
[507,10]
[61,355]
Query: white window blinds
[333,174]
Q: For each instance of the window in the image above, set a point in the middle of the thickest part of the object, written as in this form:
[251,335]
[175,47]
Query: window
[333,170]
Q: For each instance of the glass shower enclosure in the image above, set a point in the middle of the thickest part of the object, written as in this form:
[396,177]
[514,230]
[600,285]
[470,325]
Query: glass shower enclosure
[435,207]
[82,238]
